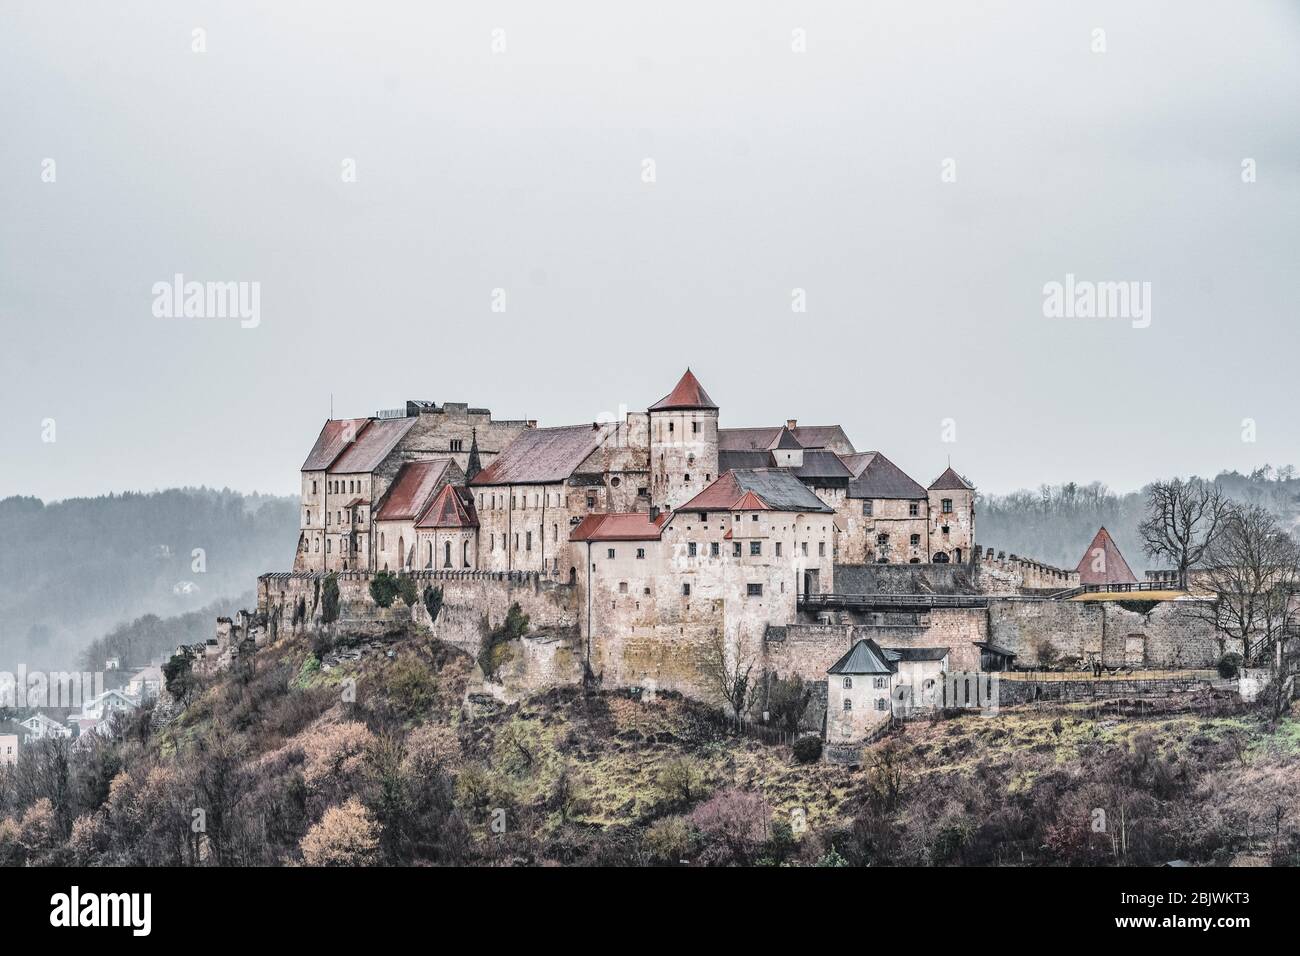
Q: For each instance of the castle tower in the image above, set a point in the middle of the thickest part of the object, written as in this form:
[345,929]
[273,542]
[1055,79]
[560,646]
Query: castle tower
[952,518]
[683,443]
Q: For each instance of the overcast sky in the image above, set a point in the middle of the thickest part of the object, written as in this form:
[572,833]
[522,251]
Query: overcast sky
[524,170]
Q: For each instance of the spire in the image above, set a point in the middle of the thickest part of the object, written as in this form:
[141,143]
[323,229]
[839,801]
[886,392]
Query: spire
[473,466]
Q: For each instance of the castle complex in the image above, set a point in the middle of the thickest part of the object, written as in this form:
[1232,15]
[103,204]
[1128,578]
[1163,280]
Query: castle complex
[644,550]
[374,492]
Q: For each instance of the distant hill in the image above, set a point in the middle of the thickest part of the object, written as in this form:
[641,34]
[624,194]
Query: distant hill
[1055,523]
[71,571]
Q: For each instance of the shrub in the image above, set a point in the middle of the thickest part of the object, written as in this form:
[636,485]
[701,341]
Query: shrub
[680,782]
[735,825]
[347,835]
[178,677]
[1230,666]
[494,650]
[786,700]
[384,588]
[668,840]
[329,600]
[411,687]
[407,589]
[433,602]
[808,749]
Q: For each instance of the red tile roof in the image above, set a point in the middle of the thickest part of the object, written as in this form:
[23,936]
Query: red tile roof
[749,502]
[453,508]
[544,455]
[619,526]
[687,394]
[372,446]
[334,436]
[411,490]
[1113,568]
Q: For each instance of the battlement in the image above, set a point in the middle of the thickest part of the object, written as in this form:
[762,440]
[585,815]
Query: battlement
[1011,573]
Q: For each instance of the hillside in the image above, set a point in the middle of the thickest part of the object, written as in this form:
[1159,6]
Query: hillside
[86,565]
[396,757]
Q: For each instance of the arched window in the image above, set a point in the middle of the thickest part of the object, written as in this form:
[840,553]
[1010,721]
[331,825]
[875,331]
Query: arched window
[428,561]
[848,683]
[464,550]
[446,554]
[940,557]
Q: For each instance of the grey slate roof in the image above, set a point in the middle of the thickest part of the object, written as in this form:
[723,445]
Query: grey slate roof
[950,481]
[763,439]
[916,653]
[821,464]
[728,460]
[881,478]
[780,489]
[864,657]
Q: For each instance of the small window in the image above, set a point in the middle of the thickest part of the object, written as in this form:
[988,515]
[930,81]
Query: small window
[755,548]
[686,590]
[882,703]
[591,502]
[803,548]
[754,590]
[615,482]
[947,506]
[457,444]
[640,553]
[778,549]
[848,704]
[880,683]
[610,554]
[821,549]
[622,587]
[691,549]
[695,428]
[848,683]
[643,492]
[735,549]
[713,549]
[866,508]
[882,539]
[528,541]
[670,426]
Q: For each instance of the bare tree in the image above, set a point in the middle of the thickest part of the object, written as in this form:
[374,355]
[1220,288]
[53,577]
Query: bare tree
[1251,565]
[1182,520]
[730,675]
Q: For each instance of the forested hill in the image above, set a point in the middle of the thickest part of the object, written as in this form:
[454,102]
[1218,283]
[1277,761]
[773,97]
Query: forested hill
[1056,523]
[73,570]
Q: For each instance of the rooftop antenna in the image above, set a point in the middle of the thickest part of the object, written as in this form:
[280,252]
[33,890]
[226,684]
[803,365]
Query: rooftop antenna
[331,406]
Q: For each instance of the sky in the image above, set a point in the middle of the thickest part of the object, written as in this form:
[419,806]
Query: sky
[843,212]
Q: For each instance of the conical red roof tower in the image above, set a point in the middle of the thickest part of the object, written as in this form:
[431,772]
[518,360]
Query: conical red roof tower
[1103,563]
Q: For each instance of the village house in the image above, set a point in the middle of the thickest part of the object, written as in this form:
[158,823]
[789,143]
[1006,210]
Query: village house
[145,683]
[859,693]
[39,726]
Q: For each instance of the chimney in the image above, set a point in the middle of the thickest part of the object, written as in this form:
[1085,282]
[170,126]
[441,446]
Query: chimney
[792,423]
[654,513]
